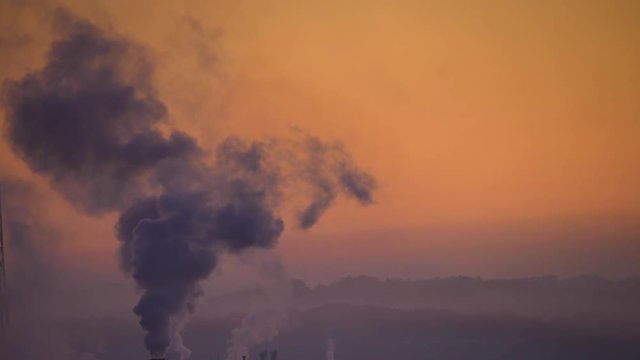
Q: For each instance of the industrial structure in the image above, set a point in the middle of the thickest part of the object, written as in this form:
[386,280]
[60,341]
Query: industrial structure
[4,301]
[264,355]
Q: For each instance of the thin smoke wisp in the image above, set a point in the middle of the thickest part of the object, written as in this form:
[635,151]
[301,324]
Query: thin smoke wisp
[330,349]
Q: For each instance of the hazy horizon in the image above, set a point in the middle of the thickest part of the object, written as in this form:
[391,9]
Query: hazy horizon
[452,159]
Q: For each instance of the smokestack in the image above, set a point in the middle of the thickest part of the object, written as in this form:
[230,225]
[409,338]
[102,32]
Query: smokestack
[274,355]
[263,355]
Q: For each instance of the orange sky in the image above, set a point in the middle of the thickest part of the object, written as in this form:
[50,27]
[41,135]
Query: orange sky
[504,134]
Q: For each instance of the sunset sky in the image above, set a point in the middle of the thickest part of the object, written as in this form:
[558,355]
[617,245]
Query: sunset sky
[504,135]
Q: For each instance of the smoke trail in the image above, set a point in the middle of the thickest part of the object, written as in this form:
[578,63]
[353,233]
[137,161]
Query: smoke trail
[262,323]
[177,349]
[91,122]
[331,348]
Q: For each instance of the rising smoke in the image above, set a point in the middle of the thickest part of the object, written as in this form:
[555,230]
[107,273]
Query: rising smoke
[263,322]
[91,122]
[331,349]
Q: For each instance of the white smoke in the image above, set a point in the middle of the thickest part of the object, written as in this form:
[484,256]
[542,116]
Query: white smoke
[331,348]
[177,350]
[264,321]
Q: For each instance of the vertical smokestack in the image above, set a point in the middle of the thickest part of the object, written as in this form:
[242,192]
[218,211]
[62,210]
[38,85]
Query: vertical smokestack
[263,355]
[274,355]
[4,304]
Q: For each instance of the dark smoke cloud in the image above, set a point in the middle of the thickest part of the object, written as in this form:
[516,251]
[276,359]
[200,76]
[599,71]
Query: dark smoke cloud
[90,121]
[330,170]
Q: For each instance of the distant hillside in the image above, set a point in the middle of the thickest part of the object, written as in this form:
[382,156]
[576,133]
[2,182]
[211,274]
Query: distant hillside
[542,296]
[376,333]
[370,319]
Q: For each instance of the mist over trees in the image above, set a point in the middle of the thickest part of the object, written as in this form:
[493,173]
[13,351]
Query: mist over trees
[370,318]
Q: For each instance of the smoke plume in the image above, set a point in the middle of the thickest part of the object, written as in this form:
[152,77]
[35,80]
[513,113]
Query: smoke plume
[331,348]
[91,122]
[89,119]
[263,322]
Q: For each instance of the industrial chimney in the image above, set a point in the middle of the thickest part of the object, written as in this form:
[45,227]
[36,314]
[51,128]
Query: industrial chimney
[274,355]
[263,355]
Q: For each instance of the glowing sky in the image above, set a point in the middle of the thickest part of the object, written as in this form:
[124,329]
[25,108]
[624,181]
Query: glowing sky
[504,134]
